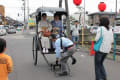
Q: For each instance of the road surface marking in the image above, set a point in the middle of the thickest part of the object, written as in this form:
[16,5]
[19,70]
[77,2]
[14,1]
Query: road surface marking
[82,55]
[15,37]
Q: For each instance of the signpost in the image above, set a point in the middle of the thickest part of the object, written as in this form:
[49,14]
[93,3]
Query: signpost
[31,22]
[114,47]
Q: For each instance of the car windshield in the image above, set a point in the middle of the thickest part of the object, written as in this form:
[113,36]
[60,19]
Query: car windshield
[5,26]
[19,26]
[95,28]
[11,27]
[1,27]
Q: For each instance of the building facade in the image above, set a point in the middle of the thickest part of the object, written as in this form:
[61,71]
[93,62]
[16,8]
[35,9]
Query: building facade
[94,18]
[2,14]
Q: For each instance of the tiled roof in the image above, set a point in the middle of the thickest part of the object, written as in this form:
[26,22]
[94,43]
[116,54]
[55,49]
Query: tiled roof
[102,13]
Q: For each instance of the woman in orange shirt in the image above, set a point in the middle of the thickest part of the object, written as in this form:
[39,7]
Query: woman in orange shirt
[5,61]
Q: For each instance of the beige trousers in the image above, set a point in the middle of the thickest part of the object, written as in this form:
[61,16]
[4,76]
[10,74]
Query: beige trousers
[45,41]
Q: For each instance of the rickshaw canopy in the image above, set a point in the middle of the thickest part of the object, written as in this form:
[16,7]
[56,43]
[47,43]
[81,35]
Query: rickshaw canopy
[52,10]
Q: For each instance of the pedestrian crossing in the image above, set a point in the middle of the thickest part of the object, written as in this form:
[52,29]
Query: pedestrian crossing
[15,36]
[32,32]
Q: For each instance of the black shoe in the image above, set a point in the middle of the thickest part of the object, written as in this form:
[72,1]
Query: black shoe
[63,74]
[105,79]
[102,79]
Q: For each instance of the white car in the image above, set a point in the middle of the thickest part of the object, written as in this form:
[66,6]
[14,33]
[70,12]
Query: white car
[116,29]
[20,28]
[93,29]
[2,30]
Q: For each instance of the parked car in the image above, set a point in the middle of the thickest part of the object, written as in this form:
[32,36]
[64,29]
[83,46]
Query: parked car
[11,29]
[93,29]
[6,27]
[20,28]
[116,29]
[87,27]
[2,30]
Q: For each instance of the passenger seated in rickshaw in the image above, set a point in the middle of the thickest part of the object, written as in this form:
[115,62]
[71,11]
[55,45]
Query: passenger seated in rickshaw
[57,27]
[44,27]
[57,24]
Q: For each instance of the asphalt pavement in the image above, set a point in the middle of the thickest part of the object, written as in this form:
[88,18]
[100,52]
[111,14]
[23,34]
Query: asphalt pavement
[19,47]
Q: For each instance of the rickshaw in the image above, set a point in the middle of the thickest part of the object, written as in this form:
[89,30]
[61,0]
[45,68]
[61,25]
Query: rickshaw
[36,45]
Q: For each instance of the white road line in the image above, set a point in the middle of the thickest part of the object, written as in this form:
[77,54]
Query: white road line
[2,36]
[32,32]
[82,55]
[15,37]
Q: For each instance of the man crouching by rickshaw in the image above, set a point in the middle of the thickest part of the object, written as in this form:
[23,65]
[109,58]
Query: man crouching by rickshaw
[68,50]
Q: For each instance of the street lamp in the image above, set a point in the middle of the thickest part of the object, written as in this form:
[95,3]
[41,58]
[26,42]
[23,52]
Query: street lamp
[116,7]
[28,14]
[81,12]
[24,4]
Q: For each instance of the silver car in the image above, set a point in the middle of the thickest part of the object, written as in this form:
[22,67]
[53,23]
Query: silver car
[93,29]
[11,30]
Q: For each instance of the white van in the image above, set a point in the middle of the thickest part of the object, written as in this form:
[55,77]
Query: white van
[2,30]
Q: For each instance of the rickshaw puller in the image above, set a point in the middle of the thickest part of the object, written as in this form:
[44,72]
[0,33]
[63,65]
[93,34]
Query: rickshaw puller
[69,50]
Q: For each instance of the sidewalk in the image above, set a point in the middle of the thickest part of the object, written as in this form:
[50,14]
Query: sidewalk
[112,67]
[110,56]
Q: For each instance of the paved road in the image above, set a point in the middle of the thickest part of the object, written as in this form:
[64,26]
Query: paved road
[19,47]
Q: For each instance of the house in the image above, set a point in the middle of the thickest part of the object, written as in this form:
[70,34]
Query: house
[2,14]
[94,17]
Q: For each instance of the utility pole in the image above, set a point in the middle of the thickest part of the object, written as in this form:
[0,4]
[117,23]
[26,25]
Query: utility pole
[116,7]
[114,48]
[60,3]
[115,12]
[81,11]
[24,4]
[68,22]
[28,14]
[84,24]
[84,13]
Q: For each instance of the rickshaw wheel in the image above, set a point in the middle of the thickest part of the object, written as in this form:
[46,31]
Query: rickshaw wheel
[35,51]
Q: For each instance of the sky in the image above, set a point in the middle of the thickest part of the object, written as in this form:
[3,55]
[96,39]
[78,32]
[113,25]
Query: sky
[13,7]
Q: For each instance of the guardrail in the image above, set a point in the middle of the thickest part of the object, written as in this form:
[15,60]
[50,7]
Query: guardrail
[88,37]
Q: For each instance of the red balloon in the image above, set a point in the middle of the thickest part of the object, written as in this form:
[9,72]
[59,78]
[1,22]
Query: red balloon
[102,6]
[77,2]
